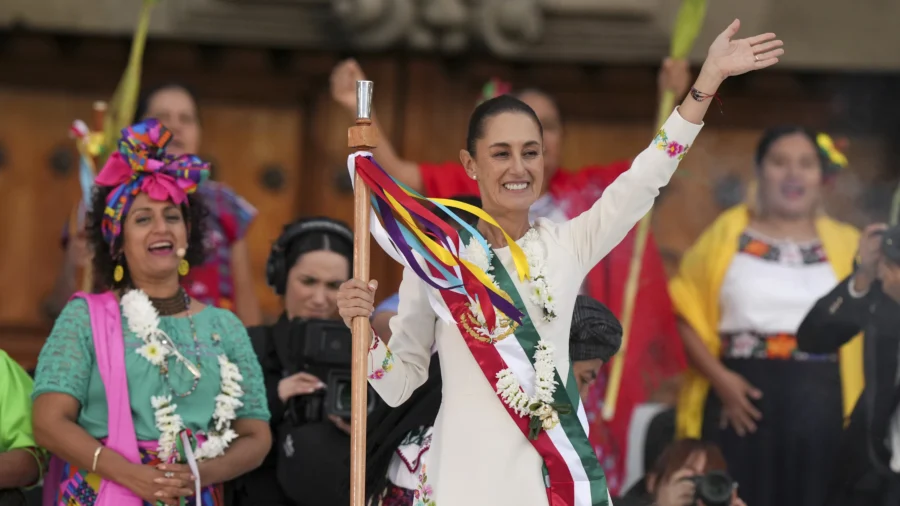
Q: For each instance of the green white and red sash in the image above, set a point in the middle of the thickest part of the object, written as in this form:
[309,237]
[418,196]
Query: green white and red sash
[415,237]
[573,475]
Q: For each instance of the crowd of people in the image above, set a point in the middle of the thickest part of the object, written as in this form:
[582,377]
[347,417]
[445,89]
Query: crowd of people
[163,385]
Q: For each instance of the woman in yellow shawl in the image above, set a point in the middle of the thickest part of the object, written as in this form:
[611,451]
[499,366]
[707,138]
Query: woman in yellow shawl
[740,294]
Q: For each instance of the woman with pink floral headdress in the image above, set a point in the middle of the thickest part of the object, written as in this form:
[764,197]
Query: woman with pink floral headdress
[144,394]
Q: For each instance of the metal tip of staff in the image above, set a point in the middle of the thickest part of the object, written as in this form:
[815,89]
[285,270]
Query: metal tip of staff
[364,99]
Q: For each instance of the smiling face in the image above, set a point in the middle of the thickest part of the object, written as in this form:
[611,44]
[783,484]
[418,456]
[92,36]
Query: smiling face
[175,109]
[791,177]
[313,283]
[508,162]
[153,232]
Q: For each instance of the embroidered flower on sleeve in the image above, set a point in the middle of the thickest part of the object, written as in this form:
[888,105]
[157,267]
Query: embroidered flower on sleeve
[386,364]
[672,148]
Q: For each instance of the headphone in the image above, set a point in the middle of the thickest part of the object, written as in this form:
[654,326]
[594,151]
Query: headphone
[276,268]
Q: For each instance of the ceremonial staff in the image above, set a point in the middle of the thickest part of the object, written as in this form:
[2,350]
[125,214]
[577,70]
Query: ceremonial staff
[361,137]
[687,27]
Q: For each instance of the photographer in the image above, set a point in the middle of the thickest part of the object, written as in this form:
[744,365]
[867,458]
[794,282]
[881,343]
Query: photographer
[868,301]
[307,264]
[686,472]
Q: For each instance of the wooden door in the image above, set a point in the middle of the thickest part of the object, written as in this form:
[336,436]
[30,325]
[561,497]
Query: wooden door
[257,151]
[38,190]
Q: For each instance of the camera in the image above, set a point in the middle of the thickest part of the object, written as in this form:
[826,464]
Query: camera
[714,488]
[326,352]
[890,244]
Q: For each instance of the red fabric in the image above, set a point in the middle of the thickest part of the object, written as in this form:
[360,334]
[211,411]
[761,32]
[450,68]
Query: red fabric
[446,180]
[654,352]
[227,222]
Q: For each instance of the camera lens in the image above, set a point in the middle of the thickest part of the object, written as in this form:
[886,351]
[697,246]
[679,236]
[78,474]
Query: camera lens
[715,489]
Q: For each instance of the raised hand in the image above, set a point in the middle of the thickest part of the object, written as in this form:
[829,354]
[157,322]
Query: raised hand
[732,57]
[343,83]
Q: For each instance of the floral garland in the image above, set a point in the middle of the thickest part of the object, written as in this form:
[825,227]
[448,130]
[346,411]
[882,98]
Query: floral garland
[535,254]
[543,411]
[143,320]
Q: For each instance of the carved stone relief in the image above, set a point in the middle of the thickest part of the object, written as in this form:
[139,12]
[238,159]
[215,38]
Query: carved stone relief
[819,34]
[374,23]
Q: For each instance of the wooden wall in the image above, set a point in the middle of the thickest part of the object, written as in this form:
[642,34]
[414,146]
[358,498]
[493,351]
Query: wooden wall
[269,112]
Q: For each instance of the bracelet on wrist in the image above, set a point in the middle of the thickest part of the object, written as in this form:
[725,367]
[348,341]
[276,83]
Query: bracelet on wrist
[96,457]
[700,96]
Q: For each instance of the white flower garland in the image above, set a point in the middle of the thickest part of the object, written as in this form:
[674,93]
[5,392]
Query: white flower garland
[540,407]
[143,320]
[535,254]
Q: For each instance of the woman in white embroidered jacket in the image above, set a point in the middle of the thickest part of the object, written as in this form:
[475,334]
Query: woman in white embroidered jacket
[511,429]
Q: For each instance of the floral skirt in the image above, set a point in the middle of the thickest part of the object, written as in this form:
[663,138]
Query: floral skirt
[79,487]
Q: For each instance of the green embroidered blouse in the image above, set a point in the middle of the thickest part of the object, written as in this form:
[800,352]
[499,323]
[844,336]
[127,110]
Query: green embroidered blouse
[67,365]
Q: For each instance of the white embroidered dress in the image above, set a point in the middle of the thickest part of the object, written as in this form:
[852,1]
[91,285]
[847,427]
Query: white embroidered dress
[478,455]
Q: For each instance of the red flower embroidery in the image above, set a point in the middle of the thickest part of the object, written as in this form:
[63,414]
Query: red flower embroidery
[674,149]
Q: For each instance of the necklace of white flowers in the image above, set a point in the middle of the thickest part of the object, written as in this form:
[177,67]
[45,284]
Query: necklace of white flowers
[143,320]
[542,410]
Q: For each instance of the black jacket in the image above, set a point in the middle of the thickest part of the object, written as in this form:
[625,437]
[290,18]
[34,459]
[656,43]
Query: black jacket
[833,321]
[319,446]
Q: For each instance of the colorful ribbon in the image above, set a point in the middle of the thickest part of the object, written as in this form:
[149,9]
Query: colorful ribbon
[141,165]
[416,232]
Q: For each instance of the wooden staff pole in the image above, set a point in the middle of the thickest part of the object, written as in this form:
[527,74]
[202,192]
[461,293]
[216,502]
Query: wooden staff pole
[361,137]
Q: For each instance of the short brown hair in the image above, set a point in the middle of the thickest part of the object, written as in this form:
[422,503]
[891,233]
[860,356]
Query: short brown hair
[676,455]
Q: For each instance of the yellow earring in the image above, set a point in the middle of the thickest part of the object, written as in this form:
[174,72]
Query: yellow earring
[118,273]
[184,267]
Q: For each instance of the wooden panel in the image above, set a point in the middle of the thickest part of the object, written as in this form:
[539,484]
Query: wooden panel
[245,141]
[35,201]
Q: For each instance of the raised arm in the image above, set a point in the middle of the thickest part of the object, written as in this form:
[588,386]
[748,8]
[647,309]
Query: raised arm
[595,232]
[343,90]
[728,57]
[395,372]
